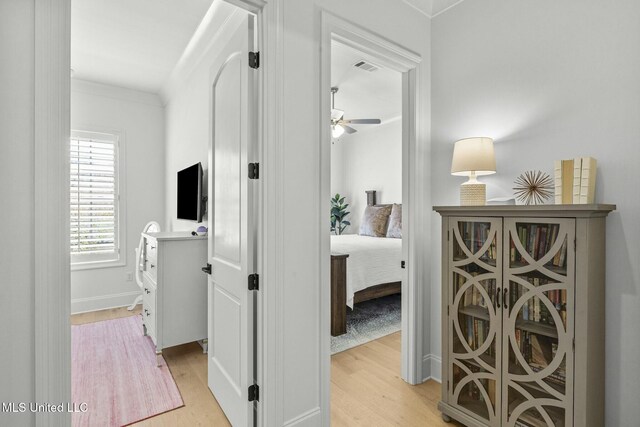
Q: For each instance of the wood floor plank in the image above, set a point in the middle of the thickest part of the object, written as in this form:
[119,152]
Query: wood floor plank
[369,375]
[366,388]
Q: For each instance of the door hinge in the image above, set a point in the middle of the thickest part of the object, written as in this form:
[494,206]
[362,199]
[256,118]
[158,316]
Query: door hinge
[447,384]
[207,269]
[575,244]
[254,60]
[254,393]
[254,170]
[447,310]
[573,344]
[447,235]
[254,282]
[402,264]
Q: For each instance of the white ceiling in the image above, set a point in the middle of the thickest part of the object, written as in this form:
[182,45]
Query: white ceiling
[131,43]
[137,43]
[363,94]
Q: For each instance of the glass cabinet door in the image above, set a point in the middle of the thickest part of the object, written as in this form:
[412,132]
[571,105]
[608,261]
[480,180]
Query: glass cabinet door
[474,322]
[538,298]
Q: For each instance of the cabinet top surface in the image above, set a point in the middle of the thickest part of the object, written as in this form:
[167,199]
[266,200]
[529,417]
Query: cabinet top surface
[568,211]
[174,235]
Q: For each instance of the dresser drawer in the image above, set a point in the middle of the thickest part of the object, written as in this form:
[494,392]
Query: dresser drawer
[151,249]
[151,269]
[149,292]
[149,311]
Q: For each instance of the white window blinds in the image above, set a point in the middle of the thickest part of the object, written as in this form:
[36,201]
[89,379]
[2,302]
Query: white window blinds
[94,197]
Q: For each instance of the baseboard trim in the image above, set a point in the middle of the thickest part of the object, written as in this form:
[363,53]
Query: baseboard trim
[103,302]
[432,368]
[305,418]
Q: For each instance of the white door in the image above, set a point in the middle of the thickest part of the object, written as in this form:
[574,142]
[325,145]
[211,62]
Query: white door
[232,235]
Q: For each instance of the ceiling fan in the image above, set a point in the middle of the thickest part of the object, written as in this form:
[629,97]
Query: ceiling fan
[340,125]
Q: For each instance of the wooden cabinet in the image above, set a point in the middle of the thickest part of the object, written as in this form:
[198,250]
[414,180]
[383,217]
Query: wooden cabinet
[174,299]
[523,315]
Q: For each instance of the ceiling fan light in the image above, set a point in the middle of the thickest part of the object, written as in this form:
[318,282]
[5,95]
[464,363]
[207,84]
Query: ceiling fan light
[336,114]
[337,131]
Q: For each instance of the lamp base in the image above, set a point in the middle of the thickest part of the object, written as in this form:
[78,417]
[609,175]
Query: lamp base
[473,194]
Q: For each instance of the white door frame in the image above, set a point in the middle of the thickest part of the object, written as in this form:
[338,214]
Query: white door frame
[52,289]
[400,59]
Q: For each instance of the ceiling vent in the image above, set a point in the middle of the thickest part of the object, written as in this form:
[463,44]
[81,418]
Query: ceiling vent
[366,66]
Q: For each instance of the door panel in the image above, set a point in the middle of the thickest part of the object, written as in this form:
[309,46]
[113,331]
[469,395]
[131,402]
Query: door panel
[475,317]
[539,277]
[231,239]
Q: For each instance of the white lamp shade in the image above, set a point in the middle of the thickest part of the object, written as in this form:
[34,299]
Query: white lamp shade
[473,155]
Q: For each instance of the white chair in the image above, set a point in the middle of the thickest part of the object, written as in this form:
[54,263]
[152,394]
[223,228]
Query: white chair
[151,227]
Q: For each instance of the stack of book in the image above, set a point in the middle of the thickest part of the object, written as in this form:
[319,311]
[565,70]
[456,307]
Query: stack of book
[575,181]
[537,239]
[535,310]
[477,331]
[538,352]
[474,236]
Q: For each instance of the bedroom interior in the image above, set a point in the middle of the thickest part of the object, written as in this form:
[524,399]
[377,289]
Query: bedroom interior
[126,80]
[525,281]
[366,170]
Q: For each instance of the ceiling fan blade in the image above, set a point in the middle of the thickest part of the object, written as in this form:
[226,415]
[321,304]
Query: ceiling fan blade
[349,129]
[363,121]
[336,114]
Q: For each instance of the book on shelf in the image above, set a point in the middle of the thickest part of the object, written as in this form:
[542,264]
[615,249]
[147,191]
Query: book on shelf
[557,175]
[534,310]
[537,240]
[476,330]
[588,180]
[538,352]
[575,180]
[475,235]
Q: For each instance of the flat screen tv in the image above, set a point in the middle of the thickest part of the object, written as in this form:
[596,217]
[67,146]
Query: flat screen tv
[190,193]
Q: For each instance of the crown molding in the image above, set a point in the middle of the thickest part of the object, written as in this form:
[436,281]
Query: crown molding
[213,27]
[431,8]
[443,10]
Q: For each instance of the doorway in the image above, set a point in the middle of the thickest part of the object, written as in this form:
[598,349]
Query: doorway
[402,61]
[367,254]
[56,317]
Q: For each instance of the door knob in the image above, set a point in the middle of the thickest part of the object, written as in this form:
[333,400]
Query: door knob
[207,269]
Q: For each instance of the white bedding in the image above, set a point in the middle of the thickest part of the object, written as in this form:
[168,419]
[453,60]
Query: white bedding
[372,261]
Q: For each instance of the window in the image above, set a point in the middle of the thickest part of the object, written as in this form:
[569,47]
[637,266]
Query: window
[94,198]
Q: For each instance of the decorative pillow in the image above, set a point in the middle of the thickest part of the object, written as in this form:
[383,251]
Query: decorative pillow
[374,221]
[395,222]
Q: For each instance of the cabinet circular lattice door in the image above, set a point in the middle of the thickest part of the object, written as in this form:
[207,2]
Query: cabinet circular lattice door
[537,358]
[474,321]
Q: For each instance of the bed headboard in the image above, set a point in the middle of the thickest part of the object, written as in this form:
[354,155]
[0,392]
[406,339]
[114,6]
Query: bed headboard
[372,199]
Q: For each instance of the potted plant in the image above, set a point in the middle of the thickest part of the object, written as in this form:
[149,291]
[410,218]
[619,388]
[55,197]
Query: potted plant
[339,214]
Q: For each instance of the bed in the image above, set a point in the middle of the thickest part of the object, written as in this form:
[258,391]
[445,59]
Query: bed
[362,268]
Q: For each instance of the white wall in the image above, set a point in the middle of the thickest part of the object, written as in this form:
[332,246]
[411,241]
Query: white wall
[188,109]
[368,160]
[17,215]
[303,227]
[139,118]
[551,80]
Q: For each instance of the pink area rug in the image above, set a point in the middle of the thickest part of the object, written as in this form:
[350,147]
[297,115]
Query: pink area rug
[114,372]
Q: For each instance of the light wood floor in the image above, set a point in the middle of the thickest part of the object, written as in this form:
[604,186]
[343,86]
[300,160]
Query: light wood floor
[366,389]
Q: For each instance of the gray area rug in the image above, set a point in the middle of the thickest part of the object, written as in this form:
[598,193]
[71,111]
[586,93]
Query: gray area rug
[369,321]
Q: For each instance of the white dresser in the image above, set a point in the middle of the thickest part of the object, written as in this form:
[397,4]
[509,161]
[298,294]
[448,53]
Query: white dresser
[174,307]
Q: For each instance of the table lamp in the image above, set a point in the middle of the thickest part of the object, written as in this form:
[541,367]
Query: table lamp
[473,157]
